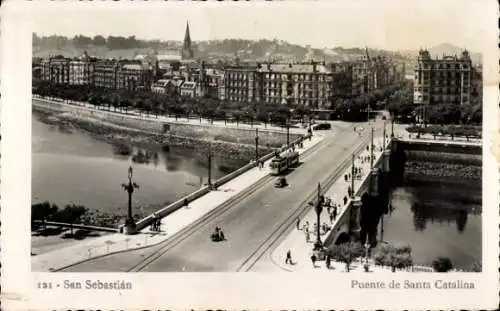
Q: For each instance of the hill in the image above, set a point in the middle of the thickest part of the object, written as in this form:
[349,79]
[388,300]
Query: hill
[228,49]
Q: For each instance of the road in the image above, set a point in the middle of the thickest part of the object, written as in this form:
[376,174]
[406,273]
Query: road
[248,224]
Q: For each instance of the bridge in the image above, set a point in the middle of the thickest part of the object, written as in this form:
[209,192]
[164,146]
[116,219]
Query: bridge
[348,222]
[256,219]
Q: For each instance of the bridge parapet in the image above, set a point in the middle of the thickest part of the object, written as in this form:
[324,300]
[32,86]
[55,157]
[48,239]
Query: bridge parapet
[348,220]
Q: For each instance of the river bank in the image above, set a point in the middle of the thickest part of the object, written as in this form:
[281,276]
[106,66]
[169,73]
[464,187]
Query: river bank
[441,171]
[233,154]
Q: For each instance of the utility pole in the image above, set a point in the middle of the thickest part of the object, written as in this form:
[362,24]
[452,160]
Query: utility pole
[392,127]
[210,165]
[383,138]
[352,174]
[371,150]
[287,131]
[256,144]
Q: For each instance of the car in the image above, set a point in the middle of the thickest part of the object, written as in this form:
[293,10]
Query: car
[322,126]
[280,182]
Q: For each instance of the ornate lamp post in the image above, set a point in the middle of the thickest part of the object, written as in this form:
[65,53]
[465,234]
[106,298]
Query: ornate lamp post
[318,245]
[129,188]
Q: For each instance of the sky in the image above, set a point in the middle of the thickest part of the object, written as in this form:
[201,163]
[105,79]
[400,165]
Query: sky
[391,24]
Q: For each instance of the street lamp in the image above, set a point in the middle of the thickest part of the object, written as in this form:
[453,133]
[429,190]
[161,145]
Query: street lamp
[256,144]
[392,126]
[367,249]
[371,149]
[287,130]
[383,137]
[130,223]
[318,208]
[210,165]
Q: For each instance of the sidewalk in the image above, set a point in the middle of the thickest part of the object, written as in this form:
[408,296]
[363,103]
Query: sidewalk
[170,224]
[133,114]
[296,240]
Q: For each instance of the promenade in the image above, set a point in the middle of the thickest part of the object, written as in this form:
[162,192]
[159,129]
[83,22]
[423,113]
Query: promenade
[134,114]
[170,225]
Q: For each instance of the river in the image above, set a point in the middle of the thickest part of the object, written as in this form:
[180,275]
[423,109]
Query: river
[69,166]
[437,218]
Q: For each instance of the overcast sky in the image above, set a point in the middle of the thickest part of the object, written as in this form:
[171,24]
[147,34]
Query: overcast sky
[392,24]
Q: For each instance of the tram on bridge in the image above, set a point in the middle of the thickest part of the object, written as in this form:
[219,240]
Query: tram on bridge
[282,163]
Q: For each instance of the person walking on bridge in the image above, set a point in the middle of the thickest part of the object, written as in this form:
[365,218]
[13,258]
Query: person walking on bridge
[298,223]
[288,259]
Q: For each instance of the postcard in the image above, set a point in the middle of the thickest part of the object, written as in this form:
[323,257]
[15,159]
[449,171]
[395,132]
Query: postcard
[249,155]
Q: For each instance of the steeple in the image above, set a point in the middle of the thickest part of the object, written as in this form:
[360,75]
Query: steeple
[187,49]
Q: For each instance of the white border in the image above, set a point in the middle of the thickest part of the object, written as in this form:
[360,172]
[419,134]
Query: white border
[208,290]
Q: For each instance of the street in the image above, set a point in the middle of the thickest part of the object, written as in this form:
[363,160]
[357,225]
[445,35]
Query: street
[247,225]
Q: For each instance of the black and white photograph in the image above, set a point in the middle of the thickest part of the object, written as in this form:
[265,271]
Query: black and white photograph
[333,139]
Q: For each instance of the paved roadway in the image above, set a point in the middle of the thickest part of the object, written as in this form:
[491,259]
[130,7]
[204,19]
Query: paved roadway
[247,224]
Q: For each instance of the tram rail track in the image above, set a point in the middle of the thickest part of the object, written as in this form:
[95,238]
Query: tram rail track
[287,224]
[186,232]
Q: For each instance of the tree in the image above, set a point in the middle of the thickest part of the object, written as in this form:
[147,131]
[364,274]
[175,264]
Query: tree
[346,252]
[99,40]
[42,211]
[70,214]
[442,264]
[394,256]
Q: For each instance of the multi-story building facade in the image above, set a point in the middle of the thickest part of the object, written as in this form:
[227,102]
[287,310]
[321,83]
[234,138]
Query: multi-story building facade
[56,70]
[448,80]
[242,84]
[314,85]
[81,70]
[61,70]
[106,74]
[299,84]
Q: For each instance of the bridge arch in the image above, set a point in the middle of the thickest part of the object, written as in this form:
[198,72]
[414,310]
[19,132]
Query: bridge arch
[342,235]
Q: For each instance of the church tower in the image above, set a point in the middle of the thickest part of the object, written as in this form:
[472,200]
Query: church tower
[187,49]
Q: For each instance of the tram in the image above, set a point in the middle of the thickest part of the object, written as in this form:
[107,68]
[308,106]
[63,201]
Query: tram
[284,162]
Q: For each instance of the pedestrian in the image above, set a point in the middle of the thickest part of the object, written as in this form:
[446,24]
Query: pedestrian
[345,200]
[328,261]
[331,218]
[345,177]
[158,224]
[288,259]
[298,223]
[152,227]
[313,259]
[334,213]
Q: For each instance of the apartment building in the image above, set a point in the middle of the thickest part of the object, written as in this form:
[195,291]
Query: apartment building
[446,80]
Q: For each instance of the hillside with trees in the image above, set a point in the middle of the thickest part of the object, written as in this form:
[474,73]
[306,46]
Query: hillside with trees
[264,49]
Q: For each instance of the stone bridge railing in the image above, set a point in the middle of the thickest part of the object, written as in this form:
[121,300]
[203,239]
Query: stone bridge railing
[365,184]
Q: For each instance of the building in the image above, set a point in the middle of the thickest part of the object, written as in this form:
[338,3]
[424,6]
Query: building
[447,80]
[296,84]
[189,89]
[242,84]
[187,49]
[106,74]
[165,86]
[81,70]
[56,70]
